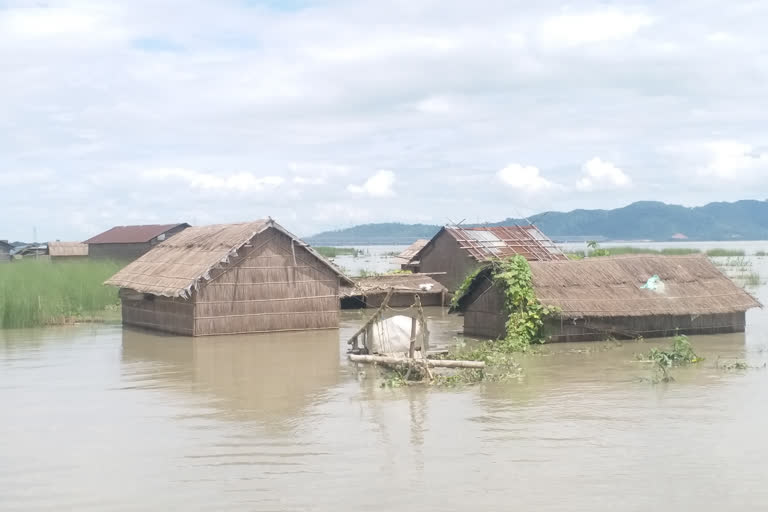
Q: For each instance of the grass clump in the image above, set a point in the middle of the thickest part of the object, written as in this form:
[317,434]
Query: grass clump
[34,294]
[332,252]
[751,279]
[761,253]
[720,253]
[681,353]
[679,251]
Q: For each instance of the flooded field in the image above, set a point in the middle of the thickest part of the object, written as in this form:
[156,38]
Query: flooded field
[102,418]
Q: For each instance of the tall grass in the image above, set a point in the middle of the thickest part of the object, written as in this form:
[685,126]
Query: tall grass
[716,253]
[42,293]
[332,252]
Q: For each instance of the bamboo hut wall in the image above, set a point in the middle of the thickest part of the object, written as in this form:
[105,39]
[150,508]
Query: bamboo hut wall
[173,315]
[485,317]
[596,328]
[268,290]
[445,255]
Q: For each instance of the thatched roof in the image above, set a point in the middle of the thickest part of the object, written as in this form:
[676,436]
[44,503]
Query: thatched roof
[612,286]
[416,283]
[412,250]
[64,249]
[176,266]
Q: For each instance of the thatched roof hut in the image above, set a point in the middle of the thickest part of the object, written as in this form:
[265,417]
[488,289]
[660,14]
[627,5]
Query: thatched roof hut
[456,251]
[231,279]
[596,297]
[67,250]
[370,291]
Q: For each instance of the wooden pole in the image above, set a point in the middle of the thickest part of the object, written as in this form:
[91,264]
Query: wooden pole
[434,363]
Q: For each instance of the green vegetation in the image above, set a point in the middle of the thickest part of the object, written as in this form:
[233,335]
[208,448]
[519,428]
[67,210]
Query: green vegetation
[526,314]
[761,254]
[463,289]
[596,250]
[718,253]
[751,278]
[679,354]
[332,252]
[35,293]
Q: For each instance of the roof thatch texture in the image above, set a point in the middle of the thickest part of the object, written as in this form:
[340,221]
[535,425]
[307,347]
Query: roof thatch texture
[176,266]
[612,286]
[412,250]
[416,283]
[66,249]
[489,243]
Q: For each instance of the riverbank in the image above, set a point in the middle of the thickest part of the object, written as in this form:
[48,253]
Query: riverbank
[34,294]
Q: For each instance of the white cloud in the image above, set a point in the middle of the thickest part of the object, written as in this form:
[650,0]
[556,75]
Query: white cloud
[526,178]
[601,175]
[576,29]
[378,185]
[733,160]
[238,182]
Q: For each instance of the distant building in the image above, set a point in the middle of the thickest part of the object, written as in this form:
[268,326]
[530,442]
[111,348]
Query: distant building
[5,251]
[31,252]
[126,243]
[67,251]
[611,296]
[455,251]
[406,258]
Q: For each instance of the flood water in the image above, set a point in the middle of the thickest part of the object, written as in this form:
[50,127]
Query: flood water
[102,418]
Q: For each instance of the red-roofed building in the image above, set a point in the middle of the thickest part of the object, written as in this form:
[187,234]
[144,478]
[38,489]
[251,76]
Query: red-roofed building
[126,243]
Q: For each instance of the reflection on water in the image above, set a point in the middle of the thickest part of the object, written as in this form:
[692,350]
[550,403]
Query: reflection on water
[101,418]
[260,377]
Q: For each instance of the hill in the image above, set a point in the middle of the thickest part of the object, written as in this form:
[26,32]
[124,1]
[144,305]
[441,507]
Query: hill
[644,220]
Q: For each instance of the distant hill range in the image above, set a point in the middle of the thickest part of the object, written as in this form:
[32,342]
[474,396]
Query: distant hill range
[644,220]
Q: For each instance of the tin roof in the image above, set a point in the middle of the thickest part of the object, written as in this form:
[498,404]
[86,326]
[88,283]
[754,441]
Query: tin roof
[132,234]
[487,243]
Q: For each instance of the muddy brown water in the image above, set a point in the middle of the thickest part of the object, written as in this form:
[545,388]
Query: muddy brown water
[102,418]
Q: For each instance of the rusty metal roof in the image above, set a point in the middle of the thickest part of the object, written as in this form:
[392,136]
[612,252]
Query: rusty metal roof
[487,243]
[132,234]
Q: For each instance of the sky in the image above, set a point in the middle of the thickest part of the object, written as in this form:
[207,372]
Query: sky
[327,114]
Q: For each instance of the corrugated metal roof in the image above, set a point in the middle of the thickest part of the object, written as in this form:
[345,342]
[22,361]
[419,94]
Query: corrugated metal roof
[487,243]
[132,234]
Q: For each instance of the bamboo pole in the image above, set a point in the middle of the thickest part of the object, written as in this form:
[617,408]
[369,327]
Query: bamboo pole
[435,363]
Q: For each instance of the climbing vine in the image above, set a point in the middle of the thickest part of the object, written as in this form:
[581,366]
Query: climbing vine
[526,314]
[465,287]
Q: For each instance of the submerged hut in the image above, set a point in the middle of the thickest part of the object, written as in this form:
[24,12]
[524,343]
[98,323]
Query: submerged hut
[67,251]
[622,296]
[455,251]
[126,243]
[407,257]
[231,279]
[369,292]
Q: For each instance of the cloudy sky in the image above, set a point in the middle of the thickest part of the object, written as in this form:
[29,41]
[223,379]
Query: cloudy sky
[325,114]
